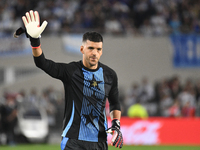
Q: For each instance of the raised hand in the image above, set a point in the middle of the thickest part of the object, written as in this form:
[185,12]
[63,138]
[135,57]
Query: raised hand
[32,24]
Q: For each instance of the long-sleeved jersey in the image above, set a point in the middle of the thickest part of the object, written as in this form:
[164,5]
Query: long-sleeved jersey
[86,92]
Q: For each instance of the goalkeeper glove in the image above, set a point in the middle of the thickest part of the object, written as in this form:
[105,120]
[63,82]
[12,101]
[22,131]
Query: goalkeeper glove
[19,31]
[117,139]
[33,28]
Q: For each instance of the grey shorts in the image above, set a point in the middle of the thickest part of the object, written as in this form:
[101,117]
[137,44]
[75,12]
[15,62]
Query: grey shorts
[73,144]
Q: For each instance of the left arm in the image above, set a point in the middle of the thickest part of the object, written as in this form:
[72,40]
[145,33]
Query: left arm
[115,114]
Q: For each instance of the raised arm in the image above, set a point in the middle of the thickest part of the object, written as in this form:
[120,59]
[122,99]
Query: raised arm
[33,32]
[32,24]
[36,51]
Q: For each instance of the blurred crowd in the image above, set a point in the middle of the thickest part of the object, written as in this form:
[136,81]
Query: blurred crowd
[168,97]
[46,105]
[123,17]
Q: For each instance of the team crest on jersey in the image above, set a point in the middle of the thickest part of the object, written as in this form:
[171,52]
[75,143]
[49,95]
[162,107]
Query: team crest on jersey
[94,83]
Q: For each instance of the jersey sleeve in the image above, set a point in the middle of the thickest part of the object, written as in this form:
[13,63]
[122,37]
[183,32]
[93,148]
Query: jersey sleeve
[55,70]
[113,97]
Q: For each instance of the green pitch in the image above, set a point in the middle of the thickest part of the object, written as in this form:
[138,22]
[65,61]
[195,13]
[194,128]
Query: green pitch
[57,147]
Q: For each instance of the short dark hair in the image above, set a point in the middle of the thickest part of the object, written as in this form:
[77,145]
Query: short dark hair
[92,36]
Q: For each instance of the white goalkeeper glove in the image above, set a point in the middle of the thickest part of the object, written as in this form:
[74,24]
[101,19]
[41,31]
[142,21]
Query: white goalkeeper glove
[32,24]
[117,139]
[33,28]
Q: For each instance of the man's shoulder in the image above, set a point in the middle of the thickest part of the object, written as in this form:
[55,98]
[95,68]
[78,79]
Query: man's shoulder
[71,66]
[107,68]
[74,63]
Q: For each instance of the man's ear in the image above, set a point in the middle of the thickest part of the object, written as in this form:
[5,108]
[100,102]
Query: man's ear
[81,49]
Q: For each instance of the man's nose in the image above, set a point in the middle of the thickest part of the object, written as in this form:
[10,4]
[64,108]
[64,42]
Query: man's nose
[94,52]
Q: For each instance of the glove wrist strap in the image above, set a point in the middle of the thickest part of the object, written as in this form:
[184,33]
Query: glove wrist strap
[116,123]
[35,42]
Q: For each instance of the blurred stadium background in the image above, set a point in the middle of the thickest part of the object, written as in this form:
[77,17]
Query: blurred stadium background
[153,45]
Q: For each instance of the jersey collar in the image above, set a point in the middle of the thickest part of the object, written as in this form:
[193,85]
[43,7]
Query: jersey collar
[92,70]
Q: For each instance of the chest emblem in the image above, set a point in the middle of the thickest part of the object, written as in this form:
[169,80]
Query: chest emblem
[94,83]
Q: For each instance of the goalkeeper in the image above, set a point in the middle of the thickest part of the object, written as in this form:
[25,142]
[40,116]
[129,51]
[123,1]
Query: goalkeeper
[87,83]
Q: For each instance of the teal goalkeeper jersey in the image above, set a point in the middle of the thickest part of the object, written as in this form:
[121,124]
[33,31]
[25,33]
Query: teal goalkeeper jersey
[86,92]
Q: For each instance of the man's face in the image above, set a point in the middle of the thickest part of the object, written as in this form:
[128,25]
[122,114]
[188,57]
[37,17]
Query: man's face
[92,52]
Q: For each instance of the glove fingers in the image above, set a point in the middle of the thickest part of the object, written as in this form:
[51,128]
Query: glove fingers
[118,144]
[25,21]
[114,137]
[32,16]
[37,17]
[28,17]
[43,26]
[121,144]
[116,140]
